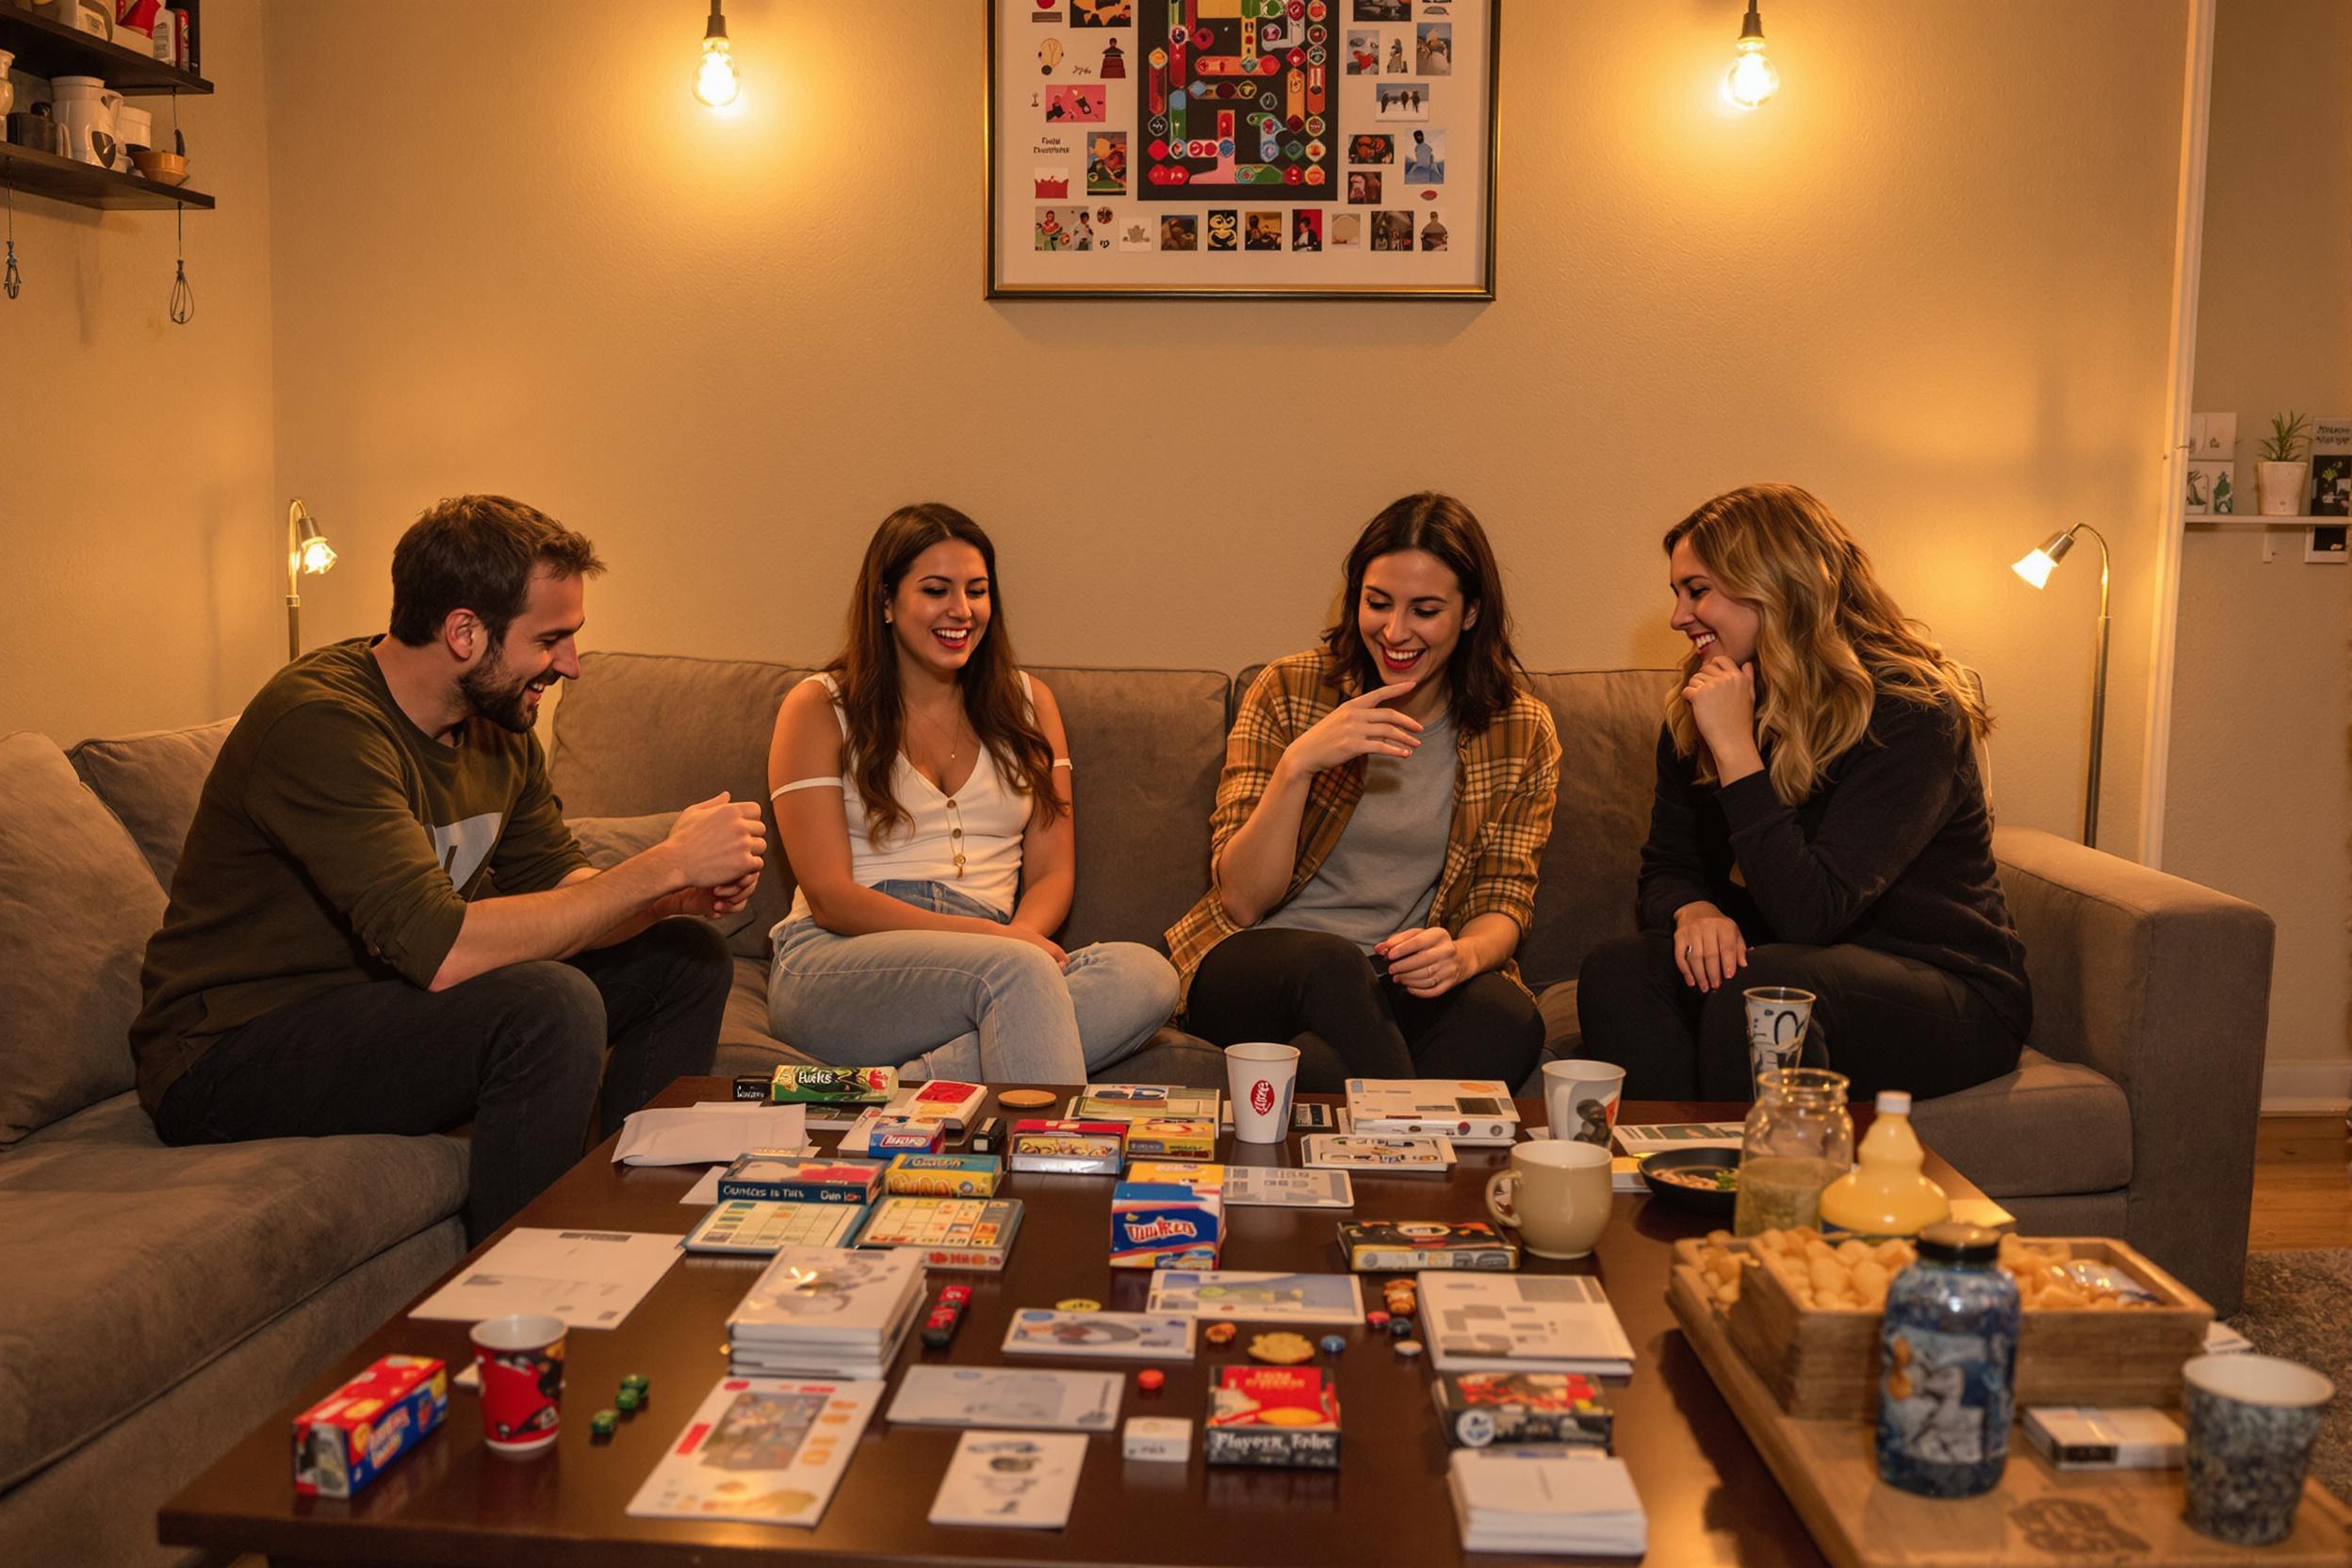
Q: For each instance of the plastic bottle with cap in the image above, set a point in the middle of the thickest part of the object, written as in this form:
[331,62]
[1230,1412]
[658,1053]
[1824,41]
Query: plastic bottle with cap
[1886,1194]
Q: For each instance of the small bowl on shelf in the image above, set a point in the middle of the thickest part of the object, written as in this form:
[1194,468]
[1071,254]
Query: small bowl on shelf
[161,167]
[1703,1179]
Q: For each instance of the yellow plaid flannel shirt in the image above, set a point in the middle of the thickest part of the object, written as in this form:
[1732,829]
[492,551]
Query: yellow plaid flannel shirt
[1505,780]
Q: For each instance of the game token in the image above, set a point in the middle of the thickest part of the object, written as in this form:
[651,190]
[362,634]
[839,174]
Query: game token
[1220,1333]
[1376,1317]
[628,1399]
[639,1382]
[1151,1379]
[1334,1344]
[1407,1348]
[1398,1327]
[1280,1349]
[1077,1303]
[602,1424]
[1024,1100]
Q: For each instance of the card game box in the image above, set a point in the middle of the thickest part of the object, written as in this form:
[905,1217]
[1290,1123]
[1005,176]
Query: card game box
[1165,1225]
[949,1232]
[796,1181]
[1201,1177]
[943,1175]
[1070,1148]
[1467,1110]
[894,1135]
[1133,1101]
[1272,1415]
[1168,1137]
[1400,1246]
[1477,1408]
[800,1083]
[347,1439]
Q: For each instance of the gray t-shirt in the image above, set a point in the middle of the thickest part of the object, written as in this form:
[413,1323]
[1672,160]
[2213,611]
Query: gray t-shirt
[1382,875]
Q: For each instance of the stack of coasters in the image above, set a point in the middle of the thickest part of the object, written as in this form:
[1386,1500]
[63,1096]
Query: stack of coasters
[1404,1245]
[942,1175]
[1477,1408]
[1166,1225]
[796,1181]
[1068,1148]
[1272,1415]
[347,1439]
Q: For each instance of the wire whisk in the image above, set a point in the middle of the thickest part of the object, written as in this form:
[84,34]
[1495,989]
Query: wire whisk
[183,297]
[12,281]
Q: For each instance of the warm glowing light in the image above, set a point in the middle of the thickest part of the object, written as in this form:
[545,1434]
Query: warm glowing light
[2035,568]
[717,83]
[316,556]
[1750,78]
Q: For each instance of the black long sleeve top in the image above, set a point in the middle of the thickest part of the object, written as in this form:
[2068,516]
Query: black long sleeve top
[1892,851]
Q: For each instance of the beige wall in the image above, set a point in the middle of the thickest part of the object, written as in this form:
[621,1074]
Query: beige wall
[135,480]
[1930,281]
[2260,797]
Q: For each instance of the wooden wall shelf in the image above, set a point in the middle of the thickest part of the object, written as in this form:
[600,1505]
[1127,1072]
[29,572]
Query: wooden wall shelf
[89,186]
[46,48]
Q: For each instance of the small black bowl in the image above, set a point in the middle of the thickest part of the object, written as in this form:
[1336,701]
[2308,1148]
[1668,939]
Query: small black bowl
[1706,1199]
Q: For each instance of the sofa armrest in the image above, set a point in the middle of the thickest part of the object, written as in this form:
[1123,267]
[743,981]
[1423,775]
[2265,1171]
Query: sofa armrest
[2164,986]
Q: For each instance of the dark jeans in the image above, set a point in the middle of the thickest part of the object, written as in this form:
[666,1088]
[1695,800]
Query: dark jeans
[518,1051]
[1884,1021]
[1320,993]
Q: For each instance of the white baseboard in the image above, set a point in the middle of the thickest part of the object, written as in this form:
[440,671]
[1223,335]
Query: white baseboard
[2307,1088]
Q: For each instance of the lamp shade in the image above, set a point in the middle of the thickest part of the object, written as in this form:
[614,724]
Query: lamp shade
[2035,567]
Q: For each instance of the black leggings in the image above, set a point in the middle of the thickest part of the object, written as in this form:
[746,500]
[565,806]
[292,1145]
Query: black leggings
[1885,1022]
[1319,992]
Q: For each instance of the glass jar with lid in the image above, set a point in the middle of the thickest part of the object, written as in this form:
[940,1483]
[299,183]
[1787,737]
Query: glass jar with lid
[1799,1138]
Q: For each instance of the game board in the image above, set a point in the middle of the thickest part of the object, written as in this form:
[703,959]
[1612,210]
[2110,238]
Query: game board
[753,1225]
[1236,98]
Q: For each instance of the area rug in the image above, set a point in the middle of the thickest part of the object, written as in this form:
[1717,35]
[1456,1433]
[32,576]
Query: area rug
[2297,1306]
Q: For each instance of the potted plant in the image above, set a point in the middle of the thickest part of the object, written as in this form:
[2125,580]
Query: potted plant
[2281,472]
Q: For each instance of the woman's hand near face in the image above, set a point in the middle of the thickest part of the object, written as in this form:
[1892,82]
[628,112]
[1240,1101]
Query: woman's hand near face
[1359,727]
[1722,696]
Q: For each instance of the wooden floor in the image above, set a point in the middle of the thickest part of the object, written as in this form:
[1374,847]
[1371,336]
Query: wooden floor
[2302,1184]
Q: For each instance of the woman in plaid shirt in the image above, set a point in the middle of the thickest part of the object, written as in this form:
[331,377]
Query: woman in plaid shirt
[1373,849]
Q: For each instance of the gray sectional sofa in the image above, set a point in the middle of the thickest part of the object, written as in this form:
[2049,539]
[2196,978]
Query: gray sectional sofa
[158,1302]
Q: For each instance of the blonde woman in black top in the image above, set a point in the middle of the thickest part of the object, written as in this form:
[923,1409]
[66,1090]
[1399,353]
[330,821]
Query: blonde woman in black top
[1819,822]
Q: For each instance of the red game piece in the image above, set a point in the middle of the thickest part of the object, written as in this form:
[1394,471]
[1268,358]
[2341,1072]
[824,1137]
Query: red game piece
[1151,1379]
[1377,1319]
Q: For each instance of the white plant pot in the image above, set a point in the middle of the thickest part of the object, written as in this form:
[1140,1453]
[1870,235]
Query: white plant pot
[2282,487]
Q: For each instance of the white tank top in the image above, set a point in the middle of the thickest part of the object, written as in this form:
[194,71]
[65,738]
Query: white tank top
[980,823]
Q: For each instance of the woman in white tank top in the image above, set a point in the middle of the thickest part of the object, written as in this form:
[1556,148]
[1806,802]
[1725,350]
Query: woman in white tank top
[922,790]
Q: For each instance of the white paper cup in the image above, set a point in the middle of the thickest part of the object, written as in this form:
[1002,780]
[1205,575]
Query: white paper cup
[1261,1078]
[1580,1098]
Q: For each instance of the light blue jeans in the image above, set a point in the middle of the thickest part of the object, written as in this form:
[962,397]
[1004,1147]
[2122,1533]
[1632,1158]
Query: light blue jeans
[948,1004]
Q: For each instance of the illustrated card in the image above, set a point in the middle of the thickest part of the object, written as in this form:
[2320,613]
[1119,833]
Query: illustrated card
[1022,1397]
[766,1451]
[1128,1335]
[1249,1297]
[1280,1187]
[1399,1153]
[755,1227]
[1018,1479]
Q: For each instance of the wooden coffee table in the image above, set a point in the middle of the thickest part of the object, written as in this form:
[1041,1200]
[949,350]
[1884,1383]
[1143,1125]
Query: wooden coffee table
[1709,1496]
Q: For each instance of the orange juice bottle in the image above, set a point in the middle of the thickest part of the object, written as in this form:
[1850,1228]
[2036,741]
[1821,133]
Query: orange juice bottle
[1886,1194]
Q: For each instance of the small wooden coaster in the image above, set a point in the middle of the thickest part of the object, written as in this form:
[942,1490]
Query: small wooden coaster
[1024,1100]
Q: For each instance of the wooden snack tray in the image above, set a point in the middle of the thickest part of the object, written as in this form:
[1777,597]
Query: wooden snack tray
[2037,1514]
[1821,1362]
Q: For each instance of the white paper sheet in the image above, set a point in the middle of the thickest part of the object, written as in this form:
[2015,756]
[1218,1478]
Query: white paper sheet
[715,1130]
[589,1279]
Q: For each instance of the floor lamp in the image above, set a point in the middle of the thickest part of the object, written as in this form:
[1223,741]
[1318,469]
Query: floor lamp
[2035,570]
[307,552]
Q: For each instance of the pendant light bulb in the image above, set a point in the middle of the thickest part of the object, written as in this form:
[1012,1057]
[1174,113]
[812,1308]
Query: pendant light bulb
[716,82]
[1751,79]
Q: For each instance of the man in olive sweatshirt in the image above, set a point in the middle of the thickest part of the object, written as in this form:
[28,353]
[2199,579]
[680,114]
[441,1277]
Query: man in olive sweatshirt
[380,923]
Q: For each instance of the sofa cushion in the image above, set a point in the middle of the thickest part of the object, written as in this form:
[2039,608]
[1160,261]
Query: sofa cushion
[152,781]
[2050,1128]
[1145,748]
[609,840]
[80,906]
[202,1246]
[643,732]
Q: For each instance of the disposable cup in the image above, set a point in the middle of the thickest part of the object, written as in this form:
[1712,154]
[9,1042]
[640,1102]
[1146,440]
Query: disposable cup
[521,1359]
[1261,1078]
[2252,1420]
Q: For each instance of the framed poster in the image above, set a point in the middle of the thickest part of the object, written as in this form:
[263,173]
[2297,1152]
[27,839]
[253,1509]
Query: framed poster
[1242,149]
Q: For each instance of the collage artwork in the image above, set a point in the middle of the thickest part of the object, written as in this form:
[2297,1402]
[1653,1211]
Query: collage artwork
[1340,135]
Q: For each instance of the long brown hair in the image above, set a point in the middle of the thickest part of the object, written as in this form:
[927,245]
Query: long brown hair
[1483,674]
[990,683]
[1828,638]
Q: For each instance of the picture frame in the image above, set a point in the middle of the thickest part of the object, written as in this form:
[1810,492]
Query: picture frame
[1122,162]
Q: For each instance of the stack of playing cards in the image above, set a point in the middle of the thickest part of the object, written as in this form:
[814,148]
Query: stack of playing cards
[1016,1478]
[820,1312]
[1546,1500]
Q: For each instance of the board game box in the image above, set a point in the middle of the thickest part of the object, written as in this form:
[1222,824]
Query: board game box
[1135,1101]
[1467,1110]
[1068,1148]
[1376,1246]
[1165,1225]
[767,1450]
[347,1439]
[1272,1415]
[1170,1138]
[1391,1153]
[943,1175]
[833,1085]
[1477,1408]
[949,1232]
[794,1181]
[1198,1175]
[758,1227]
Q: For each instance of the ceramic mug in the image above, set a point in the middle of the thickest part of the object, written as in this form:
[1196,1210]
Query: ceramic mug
[1556,1195]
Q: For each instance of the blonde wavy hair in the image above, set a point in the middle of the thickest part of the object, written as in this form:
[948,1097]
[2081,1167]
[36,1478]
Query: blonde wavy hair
[1828,638]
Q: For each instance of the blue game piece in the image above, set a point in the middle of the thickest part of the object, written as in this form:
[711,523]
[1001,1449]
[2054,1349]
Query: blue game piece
[1334,1344]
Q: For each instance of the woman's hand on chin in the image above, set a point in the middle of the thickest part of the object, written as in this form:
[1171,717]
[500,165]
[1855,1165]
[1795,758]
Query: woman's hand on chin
[1722,696]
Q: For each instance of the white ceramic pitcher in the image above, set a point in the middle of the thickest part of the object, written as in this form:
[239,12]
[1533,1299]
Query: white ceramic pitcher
[86,108]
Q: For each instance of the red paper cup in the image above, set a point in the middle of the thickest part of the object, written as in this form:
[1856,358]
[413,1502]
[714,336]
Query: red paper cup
[522,1381]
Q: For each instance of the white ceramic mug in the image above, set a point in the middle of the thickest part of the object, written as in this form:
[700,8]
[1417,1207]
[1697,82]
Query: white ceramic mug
[1261,1078]
[1580,1098]
[1555,1195]
[85,107]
